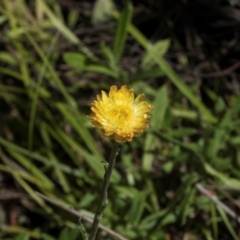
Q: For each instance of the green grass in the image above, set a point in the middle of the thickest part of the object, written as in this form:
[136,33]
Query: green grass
[47,143]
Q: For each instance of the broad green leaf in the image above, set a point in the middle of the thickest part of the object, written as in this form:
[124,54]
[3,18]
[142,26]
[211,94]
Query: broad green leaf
[75,60]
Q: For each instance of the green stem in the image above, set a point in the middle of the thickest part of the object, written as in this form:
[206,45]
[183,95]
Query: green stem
[103,194]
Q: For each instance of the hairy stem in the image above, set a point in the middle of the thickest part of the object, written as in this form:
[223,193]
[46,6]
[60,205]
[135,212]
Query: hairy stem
[103,194]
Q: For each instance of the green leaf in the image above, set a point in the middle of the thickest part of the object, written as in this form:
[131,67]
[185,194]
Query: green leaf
[36,172]
[175,79]
[108,54]
[159,109]
[57,23]
[18,175]
[216,142]
[47,237]
[137,207]
[69,234]
[22,236]
[102,11]
[75,60]
[7,58]
[101,69]
[161,47]
[76,119]
[227,223]
[152,73]
[221,176]
[160,105]
[94,161]
[121,32]
[40,158]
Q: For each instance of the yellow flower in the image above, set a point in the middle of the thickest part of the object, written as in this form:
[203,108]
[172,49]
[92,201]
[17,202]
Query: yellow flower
[120,116]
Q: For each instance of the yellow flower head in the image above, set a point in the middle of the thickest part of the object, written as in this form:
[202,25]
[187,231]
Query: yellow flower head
[120,115]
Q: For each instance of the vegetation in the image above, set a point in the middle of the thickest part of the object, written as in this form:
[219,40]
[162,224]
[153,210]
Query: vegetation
[178,180]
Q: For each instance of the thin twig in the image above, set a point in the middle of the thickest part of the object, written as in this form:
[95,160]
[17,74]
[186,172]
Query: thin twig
[221,73]
[77,214]
[228,188]
[217,201]
[5,196]
[227,195]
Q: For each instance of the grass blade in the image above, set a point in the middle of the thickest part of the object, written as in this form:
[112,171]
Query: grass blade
[176,80]
[159,109]
[121,33]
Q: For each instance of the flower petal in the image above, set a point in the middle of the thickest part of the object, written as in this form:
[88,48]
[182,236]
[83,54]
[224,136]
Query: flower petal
[120,116]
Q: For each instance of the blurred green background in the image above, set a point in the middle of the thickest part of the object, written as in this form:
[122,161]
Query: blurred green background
[55,56]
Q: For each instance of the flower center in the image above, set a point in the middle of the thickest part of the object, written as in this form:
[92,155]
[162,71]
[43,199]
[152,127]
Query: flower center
[121,117]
